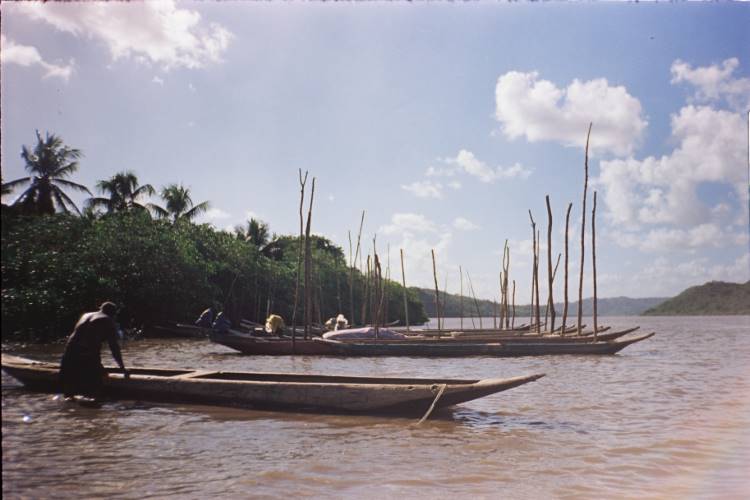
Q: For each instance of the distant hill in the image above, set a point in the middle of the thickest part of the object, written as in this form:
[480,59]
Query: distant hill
[615,306]
[713,298]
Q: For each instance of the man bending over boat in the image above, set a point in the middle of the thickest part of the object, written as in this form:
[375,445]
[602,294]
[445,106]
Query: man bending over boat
[81,370]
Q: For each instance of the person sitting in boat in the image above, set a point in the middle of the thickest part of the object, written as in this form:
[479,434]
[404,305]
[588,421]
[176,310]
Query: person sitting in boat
[222,323]
[274,324]
[81,370]
[341,322]
[206,319]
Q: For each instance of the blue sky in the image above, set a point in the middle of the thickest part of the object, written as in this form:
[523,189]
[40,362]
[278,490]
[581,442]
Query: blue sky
[445,122]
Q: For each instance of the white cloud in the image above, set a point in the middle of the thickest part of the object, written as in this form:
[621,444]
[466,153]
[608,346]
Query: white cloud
[666,276]
[424,189]
[711,148]
[408,223]
[153,32]
[671,239]
[715,82]
[216,213]
[476,168]
[191,87]
[158,81]
[418,236]
[464,224]
[26,55]
[540,111]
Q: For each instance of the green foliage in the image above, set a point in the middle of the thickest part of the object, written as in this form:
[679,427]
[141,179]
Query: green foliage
[712,298]
[56,267]
[49,163]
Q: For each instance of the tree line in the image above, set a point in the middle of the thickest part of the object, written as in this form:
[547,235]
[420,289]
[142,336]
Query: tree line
[154,261]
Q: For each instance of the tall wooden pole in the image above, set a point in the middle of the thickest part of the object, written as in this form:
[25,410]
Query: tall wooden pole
[351,279]
[437,292]
[550,298]
[506,273]
[536,281]
[308,266]
[583,229]
[565,286]
[461,297]
[513,320]
[593,261]
[354,265]
[403,282]
[476,303]
[533,265]
[302,183]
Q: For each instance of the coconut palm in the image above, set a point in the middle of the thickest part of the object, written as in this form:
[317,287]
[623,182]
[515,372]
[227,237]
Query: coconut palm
[122,192]
[179,206]
[49,163]
[256,233]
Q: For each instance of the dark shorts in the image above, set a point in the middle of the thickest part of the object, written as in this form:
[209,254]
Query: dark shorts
[81,375]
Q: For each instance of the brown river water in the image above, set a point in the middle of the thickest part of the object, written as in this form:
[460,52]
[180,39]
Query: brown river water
[665,418]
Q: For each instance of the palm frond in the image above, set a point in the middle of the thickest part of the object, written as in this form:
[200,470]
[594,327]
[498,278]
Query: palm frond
[61,196]
[197,209]
[73,185]
[13,184]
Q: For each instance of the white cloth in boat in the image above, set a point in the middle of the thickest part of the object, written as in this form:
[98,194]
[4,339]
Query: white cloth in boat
[364,333]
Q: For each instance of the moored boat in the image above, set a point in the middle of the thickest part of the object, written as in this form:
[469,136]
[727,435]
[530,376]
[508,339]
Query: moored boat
[267,345]
[284,391]
[454,348]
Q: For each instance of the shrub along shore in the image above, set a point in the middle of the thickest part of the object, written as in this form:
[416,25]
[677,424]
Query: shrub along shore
[54,267]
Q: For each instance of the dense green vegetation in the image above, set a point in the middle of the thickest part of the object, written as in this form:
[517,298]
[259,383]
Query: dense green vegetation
[154,262]
[712,298]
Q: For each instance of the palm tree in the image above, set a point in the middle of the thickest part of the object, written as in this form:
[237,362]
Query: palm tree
[256,233]
[49,163]
[123,192]
[179,204]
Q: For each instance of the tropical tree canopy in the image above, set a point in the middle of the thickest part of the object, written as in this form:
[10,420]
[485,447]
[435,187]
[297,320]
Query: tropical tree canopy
[49,163]
[122,192]
[256,233]
[179,205]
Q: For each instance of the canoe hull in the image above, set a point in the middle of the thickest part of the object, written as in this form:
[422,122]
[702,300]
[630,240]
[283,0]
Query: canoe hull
[317,393]
[449,348]
[270,346]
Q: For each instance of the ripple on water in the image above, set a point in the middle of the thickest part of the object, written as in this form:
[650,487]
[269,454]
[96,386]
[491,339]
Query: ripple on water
[666,418]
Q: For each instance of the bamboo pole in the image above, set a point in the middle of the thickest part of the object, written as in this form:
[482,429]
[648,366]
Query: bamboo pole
[498,309]
[461,297]
[403,282]
[536,281]
[476,304]
[354,265]
[308,265]
[513,321]
[437,292]
[593,262]
[302,183]
[366,297]
[565,287]
[550,305]
[550,299]
[506,273]
[351,279]
[583,229]
[533,265]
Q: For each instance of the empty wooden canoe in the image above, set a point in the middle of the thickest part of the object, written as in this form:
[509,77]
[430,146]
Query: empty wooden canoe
[284,391]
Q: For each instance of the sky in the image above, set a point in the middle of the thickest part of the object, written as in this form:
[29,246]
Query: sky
[444,122]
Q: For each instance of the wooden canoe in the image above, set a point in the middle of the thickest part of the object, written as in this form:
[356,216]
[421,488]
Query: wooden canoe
[269,346]
[283,391]
[448,348]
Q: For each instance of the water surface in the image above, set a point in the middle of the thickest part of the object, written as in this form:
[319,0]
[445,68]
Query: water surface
[669,417]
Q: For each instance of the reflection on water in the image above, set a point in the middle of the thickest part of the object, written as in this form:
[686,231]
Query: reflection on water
[668,417]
